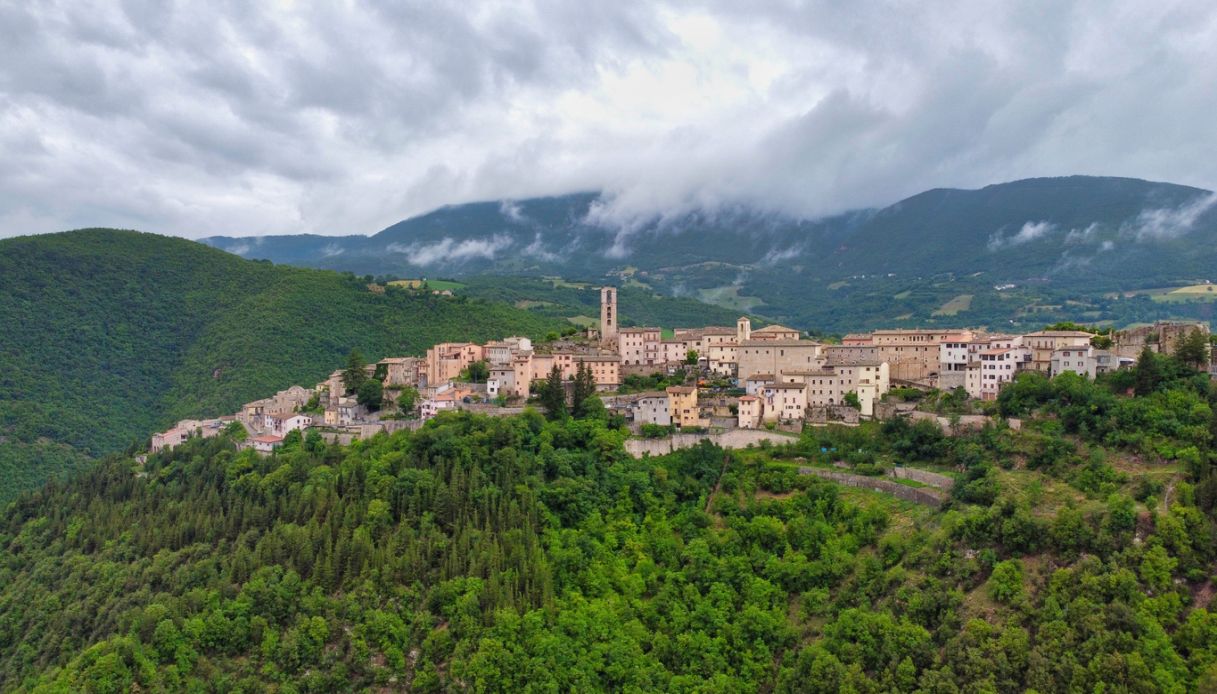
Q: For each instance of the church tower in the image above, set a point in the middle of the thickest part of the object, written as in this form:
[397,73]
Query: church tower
[608,315]
[743,329]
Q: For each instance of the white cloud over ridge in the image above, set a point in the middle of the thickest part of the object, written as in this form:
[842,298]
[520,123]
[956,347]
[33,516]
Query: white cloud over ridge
[1030,231]
[200,118]
[1169,222]
[449,251]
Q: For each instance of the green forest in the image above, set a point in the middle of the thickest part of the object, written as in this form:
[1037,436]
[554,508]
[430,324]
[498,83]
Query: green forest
[1075,553]
[115,334]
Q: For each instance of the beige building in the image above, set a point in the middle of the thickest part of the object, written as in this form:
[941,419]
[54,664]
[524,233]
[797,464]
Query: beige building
[682,407]
[750,412]
[673,351]
[912,355]
[542,364]
[828,386]
[513,380]
[640,347]
[1044,342]
[774,332]
[605,368]
[785,402]
[776,356]
[446,360]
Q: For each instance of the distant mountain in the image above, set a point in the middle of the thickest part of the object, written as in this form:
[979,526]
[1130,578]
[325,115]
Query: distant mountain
[109,335]
[1052,224]
[1058,238]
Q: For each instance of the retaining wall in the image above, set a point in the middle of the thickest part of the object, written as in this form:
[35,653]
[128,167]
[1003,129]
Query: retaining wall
[733,438]
[920,495]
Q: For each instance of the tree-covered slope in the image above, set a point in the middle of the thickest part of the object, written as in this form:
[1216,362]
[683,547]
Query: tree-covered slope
[109,335]
[517,554]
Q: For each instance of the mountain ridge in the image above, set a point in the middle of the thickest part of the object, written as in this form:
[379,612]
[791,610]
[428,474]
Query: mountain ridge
[1054,239]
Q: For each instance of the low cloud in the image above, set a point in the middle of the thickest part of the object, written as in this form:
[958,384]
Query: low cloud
[1077,236]
[775,256]
[1030,231]
[511,210]
[449,250]
[1169,222]
[538,249]
[332,250]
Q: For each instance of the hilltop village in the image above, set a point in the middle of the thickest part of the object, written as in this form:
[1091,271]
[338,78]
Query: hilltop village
[687,379]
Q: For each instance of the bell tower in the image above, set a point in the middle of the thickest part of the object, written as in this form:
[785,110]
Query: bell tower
[608,315]
[743,329]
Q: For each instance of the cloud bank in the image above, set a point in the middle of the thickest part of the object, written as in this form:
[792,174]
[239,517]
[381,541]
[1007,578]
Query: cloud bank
[199,119]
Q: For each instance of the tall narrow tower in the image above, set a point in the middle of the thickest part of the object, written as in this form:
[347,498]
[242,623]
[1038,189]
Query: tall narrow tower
[608,315]
[743,329]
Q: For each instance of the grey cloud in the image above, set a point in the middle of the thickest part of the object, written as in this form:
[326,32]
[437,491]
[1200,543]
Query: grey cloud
[229,118]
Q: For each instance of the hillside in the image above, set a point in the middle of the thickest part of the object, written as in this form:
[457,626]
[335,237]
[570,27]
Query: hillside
[1075,554]
[1055,240]
[114,334]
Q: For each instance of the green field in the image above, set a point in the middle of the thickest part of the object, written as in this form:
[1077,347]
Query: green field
[1194,292]
[957,305]
[438,285]
[729,297]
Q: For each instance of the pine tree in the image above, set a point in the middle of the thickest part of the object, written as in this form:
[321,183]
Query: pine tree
[553,394]
[354,374]
[1193,349]
[585,388]
[1148,372]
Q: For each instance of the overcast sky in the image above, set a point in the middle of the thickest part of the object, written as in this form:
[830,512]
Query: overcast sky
[210,118]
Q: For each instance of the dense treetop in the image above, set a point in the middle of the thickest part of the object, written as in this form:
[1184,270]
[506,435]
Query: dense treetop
[110,335]
[520,554]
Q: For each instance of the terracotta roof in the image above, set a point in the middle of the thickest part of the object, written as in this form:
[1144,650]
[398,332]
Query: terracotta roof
[681,390]
[267,439]
[747,398]
[786,386]
[774,329]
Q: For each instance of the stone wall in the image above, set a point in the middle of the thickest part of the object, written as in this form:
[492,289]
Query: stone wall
[832,414]
[733,438]
[919,495]
[924,476]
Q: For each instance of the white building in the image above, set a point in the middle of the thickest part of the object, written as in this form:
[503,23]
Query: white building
[652,409]
[785,402]
[999,366]
[1078,360]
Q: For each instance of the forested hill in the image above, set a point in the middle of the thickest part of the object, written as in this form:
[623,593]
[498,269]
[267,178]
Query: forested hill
[109,335]
[1075,554]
